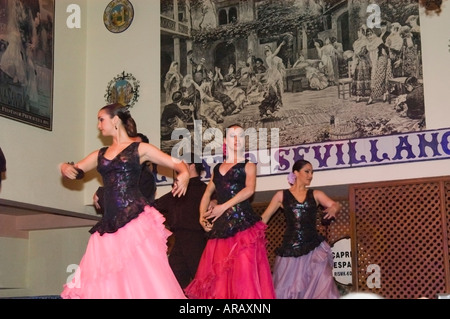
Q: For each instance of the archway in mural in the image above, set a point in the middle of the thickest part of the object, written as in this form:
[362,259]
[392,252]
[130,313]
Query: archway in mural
[224,55]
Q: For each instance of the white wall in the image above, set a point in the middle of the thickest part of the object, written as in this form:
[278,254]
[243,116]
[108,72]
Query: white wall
[53,256]
[13,270]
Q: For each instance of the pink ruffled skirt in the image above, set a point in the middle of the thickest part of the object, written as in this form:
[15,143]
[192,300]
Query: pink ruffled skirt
[306,277]
[234,268]
[131,263]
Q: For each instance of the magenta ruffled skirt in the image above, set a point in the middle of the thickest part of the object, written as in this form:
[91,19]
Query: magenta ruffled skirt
[306,277]
[131,263]
[234,268]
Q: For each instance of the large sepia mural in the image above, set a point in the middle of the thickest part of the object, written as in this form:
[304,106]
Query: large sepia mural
[313,71]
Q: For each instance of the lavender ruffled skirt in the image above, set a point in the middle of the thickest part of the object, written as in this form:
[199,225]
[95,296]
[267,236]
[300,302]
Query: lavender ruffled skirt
[306,277]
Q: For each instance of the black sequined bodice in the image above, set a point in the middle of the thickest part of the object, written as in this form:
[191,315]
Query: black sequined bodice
[301,234]
[122,198]
[238,217]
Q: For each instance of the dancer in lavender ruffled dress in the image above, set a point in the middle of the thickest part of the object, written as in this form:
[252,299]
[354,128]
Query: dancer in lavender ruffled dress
[304,263]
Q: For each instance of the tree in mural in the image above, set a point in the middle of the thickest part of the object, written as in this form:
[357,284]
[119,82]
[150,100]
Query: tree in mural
[278,17]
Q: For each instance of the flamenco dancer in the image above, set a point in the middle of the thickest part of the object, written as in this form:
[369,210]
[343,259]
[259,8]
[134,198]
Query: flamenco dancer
[126,256]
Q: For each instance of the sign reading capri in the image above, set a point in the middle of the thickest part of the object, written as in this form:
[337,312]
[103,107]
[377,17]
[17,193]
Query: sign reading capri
[342,261]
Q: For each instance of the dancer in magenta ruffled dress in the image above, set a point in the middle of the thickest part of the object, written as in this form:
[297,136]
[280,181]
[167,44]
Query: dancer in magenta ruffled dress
[234,263]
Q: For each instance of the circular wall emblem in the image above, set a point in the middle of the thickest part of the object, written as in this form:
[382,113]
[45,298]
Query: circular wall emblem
[342,261]
[118,15]
[123,89]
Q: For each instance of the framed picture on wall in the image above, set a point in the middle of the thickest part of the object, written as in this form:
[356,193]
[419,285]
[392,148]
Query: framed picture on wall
[26,61]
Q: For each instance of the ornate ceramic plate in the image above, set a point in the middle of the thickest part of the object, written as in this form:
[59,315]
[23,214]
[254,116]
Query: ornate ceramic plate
[123,89]
[118,15]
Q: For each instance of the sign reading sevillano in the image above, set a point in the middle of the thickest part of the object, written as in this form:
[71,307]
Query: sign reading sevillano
[368,151]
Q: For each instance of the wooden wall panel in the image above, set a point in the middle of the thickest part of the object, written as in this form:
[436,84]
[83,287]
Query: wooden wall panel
[399,238]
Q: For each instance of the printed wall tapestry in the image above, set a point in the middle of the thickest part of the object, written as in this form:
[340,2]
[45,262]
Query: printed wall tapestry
[315,71]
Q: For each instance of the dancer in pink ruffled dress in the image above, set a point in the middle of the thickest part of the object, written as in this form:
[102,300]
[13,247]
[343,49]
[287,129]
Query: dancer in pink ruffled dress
[126,256]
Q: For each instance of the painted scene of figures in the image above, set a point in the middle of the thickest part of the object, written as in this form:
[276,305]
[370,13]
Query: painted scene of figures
[315,70]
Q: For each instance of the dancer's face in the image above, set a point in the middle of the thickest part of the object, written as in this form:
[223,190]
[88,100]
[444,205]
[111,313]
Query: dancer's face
[304,175]
[105,123]
[235,141]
